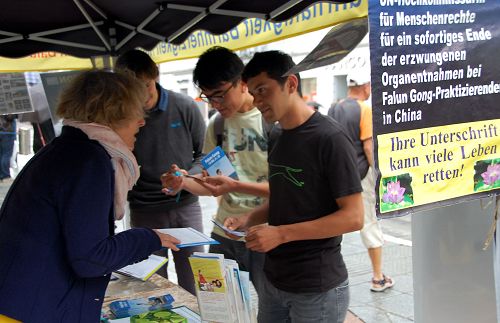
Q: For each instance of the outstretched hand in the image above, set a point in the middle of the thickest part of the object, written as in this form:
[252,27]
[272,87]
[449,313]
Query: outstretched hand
[171,182]
[220,184]
[168,241]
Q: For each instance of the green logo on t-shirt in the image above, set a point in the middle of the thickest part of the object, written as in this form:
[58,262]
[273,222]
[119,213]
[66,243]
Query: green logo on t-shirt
[287,172]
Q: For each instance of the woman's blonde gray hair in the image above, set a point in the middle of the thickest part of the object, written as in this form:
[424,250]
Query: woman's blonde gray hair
[103,97]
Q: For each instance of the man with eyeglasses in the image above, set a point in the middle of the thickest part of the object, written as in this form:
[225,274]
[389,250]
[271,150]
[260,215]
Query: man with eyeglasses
[174,132]
[218,75]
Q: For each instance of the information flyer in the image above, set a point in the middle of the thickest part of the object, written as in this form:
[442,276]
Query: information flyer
[14,97]
[53,84]
[436,101]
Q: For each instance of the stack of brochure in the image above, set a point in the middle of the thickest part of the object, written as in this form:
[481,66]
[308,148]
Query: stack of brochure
[222,290]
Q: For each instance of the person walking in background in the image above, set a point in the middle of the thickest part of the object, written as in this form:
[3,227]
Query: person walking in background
[174,133]
[7,139]
[242,135]
[356,116]
[58,245]
[314,199]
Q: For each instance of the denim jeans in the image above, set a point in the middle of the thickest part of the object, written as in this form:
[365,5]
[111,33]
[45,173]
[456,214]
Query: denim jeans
[6,149]
[248,260]
[277,306]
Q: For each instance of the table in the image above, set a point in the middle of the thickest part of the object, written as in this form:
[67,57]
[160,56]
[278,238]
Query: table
[129,288]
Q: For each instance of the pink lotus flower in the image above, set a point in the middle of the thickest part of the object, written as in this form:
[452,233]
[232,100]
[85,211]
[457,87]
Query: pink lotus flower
[492,174]
[395,193]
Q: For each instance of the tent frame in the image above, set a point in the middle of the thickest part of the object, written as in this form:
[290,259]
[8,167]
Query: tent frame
[111,44]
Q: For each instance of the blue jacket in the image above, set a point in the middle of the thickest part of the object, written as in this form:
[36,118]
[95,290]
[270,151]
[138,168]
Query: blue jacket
[57,242]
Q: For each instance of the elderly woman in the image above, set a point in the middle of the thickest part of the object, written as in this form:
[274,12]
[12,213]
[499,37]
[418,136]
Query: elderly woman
[57,240]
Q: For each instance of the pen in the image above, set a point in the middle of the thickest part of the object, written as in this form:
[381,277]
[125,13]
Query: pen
[178,197]
[177,173]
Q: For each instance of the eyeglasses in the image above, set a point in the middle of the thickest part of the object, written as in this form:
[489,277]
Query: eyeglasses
[219,98]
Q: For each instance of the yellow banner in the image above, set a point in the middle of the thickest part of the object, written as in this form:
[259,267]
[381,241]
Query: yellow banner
[46,61]
[435,164]
[249,33]
[254,32]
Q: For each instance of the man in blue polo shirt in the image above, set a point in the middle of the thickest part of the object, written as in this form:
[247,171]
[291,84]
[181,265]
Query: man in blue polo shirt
[174,133]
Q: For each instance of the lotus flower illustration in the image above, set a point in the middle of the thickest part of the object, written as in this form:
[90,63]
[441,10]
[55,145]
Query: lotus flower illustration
[492,174]
[395,193]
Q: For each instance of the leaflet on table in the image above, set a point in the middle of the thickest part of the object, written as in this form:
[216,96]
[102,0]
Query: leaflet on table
[239,296]
[247,300]
[217,163]
[189,237]
[219,289]
[144,269]
[234,291]
[185,314]
[192,316]
[210,284]
[159,316]
[226,229]
[129,307]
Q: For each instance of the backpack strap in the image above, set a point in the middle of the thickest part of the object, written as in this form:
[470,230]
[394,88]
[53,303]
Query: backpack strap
[218,129]
[267,128]
[334,105]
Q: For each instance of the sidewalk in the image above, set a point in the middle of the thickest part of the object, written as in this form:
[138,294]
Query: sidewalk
[395,305]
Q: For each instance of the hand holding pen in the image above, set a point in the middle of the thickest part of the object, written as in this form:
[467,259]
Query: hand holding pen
[173,180]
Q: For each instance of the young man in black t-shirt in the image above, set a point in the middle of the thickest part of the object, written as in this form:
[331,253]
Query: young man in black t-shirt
[315,198]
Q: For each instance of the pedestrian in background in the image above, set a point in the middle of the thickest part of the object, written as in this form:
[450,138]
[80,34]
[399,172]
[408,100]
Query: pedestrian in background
[7,139]
[356,116]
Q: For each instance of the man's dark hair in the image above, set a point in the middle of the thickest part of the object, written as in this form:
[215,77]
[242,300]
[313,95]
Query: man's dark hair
[215,66]
[275,63]
[137,62]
